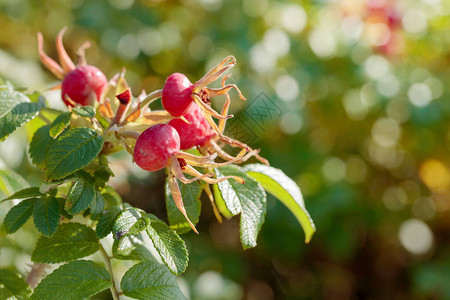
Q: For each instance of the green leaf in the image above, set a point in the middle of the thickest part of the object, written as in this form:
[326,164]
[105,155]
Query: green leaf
[191,199]
[140,252]
[97,206]
[84,111]
[59,124]
[76,280]
[71,151]
[286,190]
[124,222]
[46,215]
[169,245]
[15,110]
[40,143]
[125,245]
[150,280]
[80,196]
[62,211]
[11,182]
[124,241]
[106,221]
[12,284]
[18,215]
[71,241]
[30,192]
[249,199]
[220,203]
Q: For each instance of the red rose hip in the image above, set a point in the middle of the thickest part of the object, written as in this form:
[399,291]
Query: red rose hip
[155,146]
[176,94]
[196,132]
[83,85]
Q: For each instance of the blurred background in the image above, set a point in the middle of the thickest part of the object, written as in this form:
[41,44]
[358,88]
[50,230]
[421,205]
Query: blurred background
[349,97]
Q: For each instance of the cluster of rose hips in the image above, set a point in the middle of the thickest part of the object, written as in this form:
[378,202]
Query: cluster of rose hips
[156,139]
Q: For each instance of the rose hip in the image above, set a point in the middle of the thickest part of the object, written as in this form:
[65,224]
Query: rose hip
[155,146]
[179,93]
[83,85]
[196,132]
[176,94]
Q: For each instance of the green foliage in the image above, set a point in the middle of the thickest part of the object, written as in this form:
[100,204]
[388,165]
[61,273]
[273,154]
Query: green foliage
[13,286]
[286,190]
[46,214]
[72,148]
[106,221]
[140,253]
[150,280]
[39,146]
[97,205]
[15,110]
[45,187]
[75,280]
[248,199]
[80,195]
[18,215]
[169,245]
[125,221]
[71,151]
[191,199]
[124,246]
[84,111]
[26,193]
[60,124]
[71,241]
[124,241]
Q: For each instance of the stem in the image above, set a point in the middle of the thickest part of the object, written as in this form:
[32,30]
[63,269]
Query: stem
[150,98]
[115,293]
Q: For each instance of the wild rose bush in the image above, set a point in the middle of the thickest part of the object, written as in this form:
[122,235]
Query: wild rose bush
[74,207]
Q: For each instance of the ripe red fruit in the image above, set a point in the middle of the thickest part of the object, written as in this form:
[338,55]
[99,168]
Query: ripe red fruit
[155,146]
[197,132]
[83,85]
[176,94]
